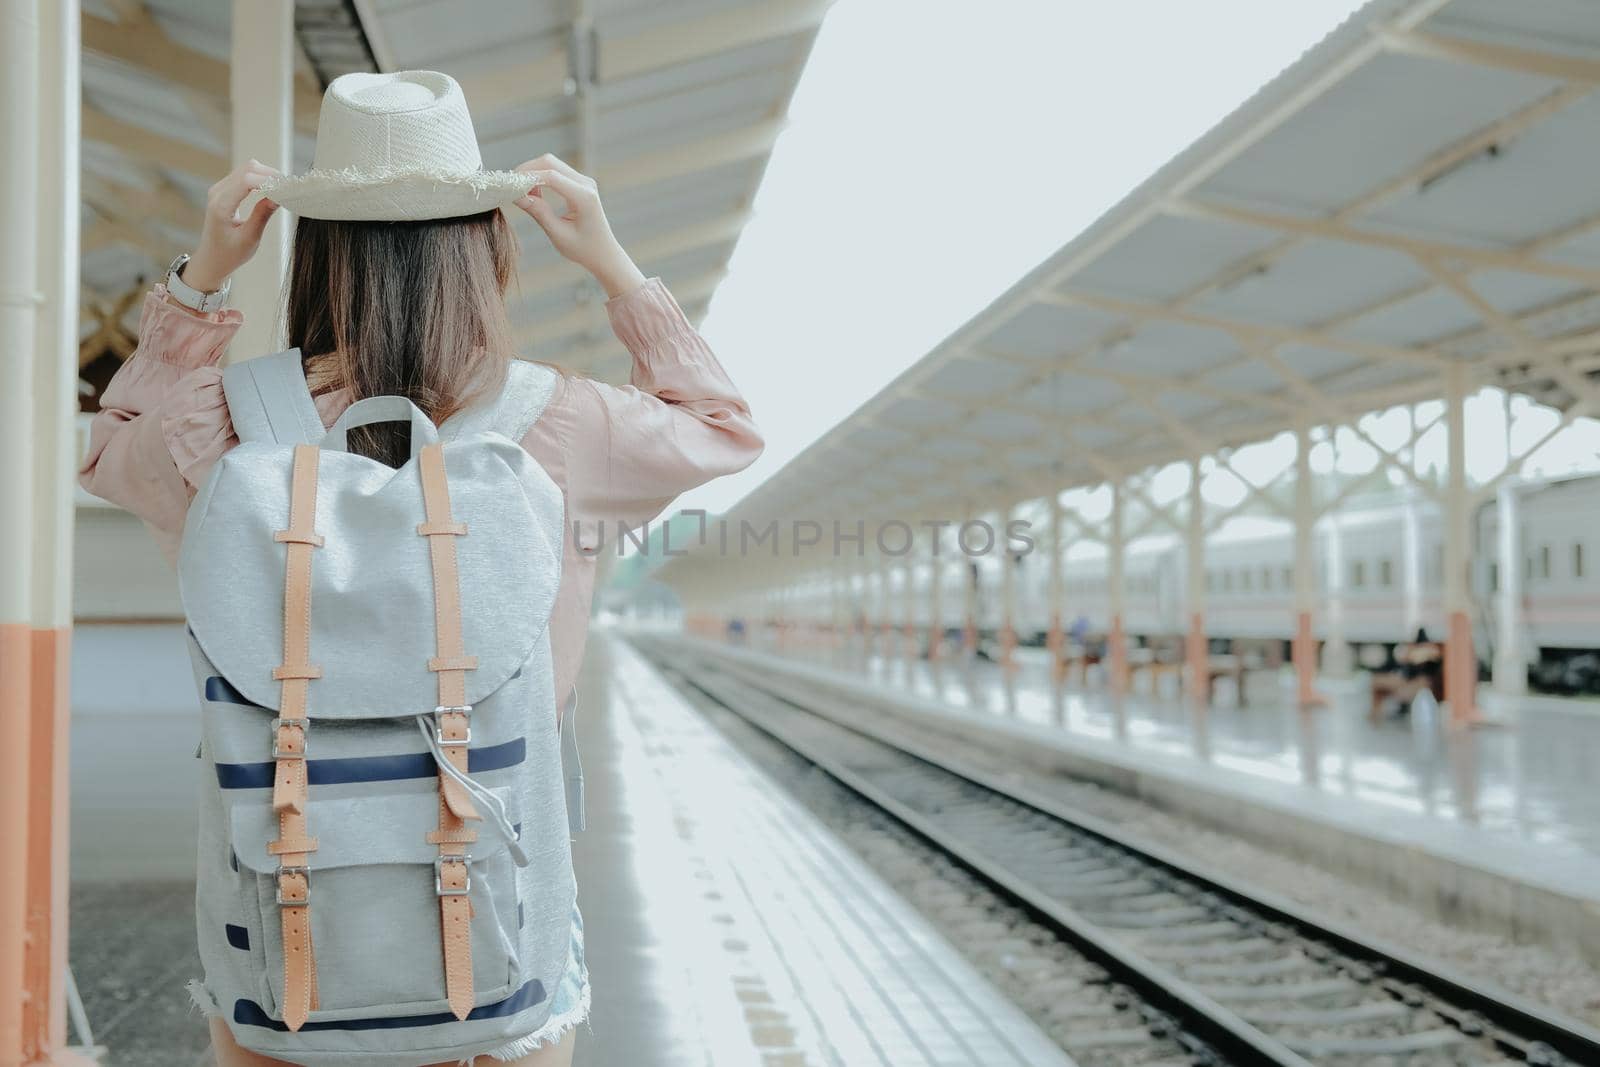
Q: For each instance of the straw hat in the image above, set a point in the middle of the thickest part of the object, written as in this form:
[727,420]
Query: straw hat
[393,147]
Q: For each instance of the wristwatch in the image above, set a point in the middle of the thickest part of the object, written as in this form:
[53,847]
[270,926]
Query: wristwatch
[188,295]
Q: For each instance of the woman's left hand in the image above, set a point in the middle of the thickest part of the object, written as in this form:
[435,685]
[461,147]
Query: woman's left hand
[580,231]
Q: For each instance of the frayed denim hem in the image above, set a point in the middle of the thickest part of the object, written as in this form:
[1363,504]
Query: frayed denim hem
[550,1033]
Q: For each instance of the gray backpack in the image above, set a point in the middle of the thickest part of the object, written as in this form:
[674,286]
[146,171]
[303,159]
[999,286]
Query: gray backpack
[385,872]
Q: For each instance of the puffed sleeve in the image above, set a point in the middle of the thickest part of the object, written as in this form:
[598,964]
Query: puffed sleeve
[163,420]
[623,453]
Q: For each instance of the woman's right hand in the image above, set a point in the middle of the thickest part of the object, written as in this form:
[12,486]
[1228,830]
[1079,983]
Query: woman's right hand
[226,241]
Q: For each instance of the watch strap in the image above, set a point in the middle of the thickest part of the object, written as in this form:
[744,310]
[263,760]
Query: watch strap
[193,298]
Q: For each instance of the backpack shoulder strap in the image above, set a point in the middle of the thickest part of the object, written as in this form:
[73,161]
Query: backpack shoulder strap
[528,389]
[268,400]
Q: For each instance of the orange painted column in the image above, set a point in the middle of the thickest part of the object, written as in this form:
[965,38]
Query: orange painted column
[19,311]
[1460,669]
[36,500]
[1303,651]
[1197,657]
[45,961]
[1116,592]
[1054,642]
[1304,654]
[1460,661]
[16,689]
[1117,655]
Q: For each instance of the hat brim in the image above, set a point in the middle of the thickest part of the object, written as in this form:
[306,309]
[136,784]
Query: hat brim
[348,196]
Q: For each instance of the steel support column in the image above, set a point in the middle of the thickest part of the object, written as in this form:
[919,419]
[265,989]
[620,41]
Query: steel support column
[1197,659]
[1056,641]
[1008,594]
[1305,577]
[1460,661]
[935,601]
[908,607]
[1116,593]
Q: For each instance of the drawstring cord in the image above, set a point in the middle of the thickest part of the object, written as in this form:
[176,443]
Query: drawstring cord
[497,809]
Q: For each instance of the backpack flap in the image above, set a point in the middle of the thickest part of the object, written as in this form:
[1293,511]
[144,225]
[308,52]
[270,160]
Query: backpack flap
[372,597]
[359,831]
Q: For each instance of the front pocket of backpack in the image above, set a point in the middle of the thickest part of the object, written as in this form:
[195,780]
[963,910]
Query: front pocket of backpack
[375,910]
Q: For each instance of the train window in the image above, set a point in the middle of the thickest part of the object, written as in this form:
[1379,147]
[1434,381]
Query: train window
[1385,573]
[1266,577]
[1244,579]
[1358,574]
[1227,580]
[1544,561]
[1577,559]
[1211,581]
[1494,577]
[1288,577]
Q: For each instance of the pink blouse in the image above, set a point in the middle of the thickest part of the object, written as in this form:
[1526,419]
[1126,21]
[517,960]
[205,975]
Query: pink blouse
[619,453]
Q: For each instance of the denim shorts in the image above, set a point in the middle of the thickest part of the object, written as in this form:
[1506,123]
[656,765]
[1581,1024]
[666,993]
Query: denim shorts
[569,1005]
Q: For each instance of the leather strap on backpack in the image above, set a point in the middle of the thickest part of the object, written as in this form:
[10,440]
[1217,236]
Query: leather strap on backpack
[452,716]
[293,846]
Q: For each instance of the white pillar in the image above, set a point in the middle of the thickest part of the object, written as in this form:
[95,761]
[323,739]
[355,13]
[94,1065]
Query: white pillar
[1305,576]
[1116,594]
[56,451]
[1336,658]
[1510,658]
[1461,662]
[935,600]
[1056,640]
[19,316]
[1411,564]
[1196,656]
[261,86]
[1008,591]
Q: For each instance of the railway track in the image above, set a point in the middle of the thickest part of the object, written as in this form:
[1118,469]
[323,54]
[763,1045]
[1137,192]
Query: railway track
[1248,978]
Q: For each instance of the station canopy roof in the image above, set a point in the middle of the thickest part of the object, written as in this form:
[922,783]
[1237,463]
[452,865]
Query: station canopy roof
[673,108]
[1418,192]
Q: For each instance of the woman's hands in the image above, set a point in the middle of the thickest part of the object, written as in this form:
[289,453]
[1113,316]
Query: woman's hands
[580,231]
[226,241]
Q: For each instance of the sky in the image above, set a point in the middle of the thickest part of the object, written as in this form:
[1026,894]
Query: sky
[937,151]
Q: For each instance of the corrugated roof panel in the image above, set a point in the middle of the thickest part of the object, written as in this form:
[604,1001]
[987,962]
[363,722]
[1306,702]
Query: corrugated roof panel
[649,125]
[1425,317]
[1316,282]
[1169,256]
[1546,172]
[1381,121]
[1042,331]
[433,33]
[1562,25]
[1167,348]
[971,378]
[751,60]
[1070,393]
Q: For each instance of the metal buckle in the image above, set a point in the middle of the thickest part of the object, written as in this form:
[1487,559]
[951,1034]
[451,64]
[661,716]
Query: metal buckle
[438,728]
[294,903]
[465,859]
[305,738]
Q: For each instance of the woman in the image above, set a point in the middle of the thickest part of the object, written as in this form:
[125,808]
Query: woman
[415,306]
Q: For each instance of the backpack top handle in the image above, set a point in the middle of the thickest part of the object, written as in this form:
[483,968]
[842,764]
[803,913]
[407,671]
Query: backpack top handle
[382,409]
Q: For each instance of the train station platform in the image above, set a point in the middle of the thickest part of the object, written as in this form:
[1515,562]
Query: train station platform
[724,925]
[1495,828]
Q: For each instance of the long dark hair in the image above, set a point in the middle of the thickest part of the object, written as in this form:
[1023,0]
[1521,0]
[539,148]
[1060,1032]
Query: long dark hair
[415,309]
